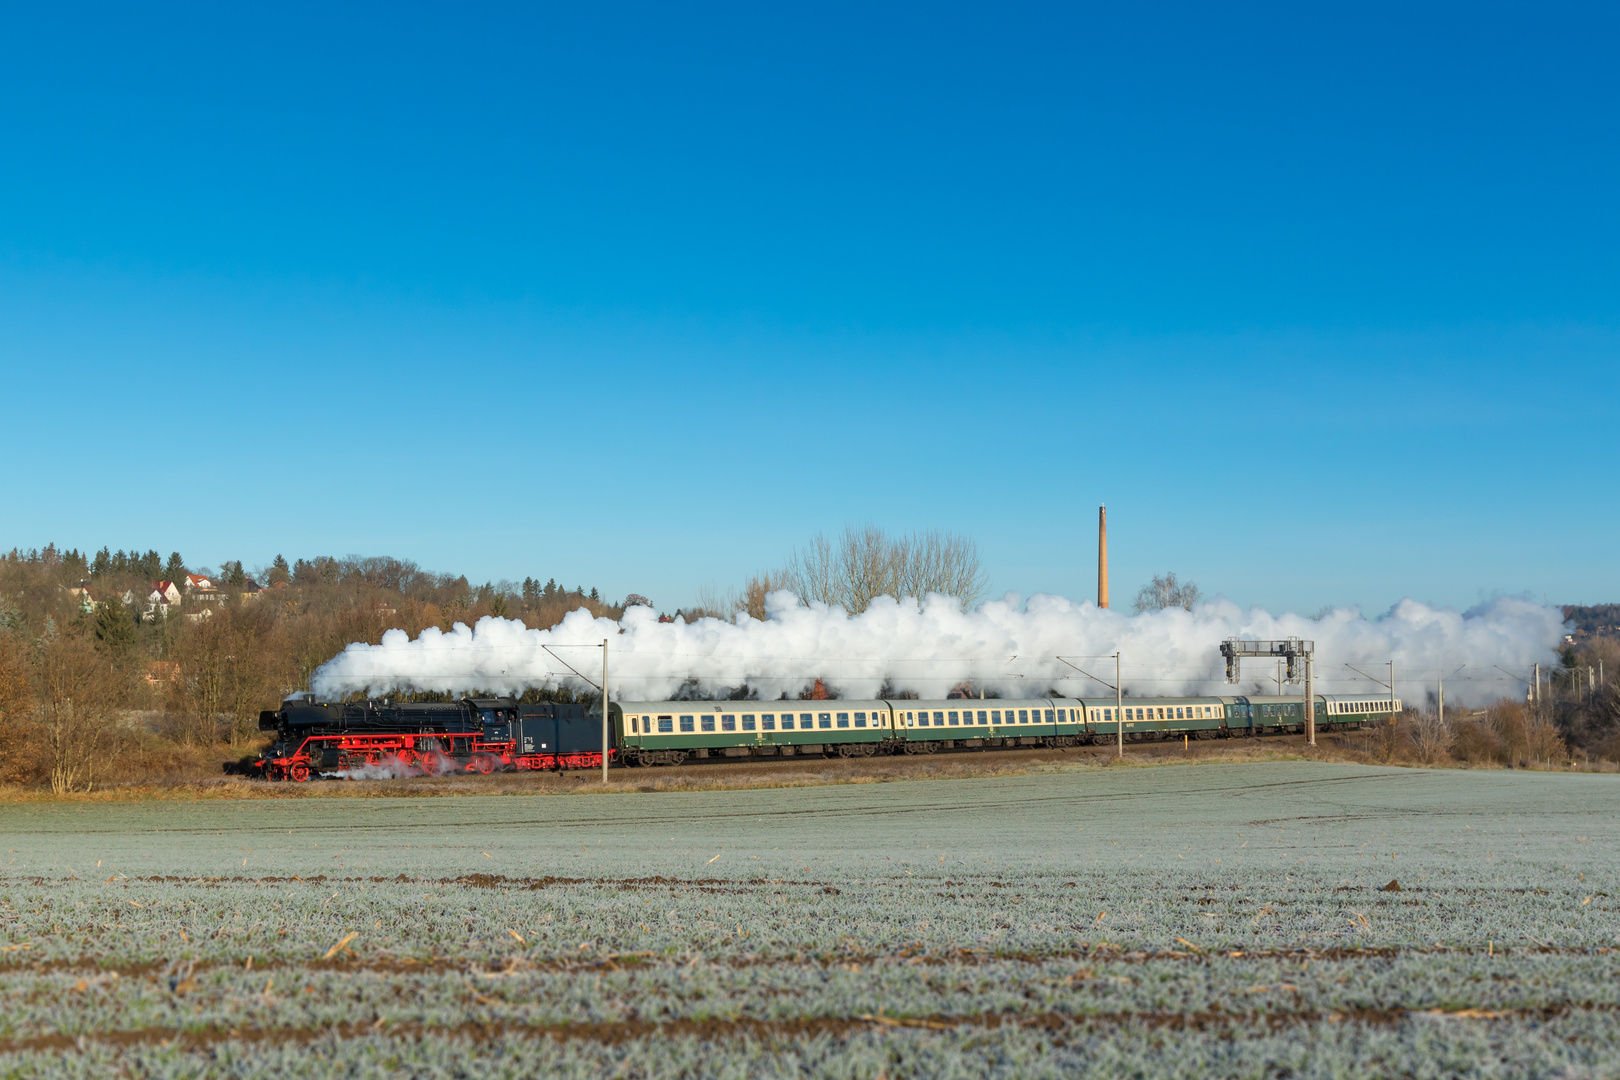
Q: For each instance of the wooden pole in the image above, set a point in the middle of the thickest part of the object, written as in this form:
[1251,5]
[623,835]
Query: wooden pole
[1119,707]
[604,712]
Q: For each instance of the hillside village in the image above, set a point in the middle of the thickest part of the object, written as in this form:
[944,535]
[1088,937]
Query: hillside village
[197,592]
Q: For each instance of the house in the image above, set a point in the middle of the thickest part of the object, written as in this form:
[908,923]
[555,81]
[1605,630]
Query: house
[199,590]
[81,593]
[163,596]
[250,589]
[162,672]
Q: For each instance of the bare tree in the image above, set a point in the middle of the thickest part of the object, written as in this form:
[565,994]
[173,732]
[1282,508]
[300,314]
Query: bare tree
[758,588]
[17,735]
[941,562]
[77,696]
[865,563]
[1430,737]
[227,675]
[1166,592]
[814,572]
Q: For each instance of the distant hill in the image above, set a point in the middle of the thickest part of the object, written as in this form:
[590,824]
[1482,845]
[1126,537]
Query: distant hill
[1596,620]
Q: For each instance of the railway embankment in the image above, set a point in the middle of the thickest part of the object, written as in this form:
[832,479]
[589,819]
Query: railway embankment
[1358,748]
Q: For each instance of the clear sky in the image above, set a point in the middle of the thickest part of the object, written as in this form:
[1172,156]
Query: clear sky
[1320,300]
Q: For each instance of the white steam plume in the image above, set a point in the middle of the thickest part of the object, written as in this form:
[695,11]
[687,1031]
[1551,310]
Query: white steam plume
[932,646]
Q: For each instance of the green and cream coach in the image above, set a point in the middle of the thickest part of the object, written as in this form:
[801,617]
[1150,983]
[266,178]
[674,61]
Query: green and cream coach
[670,732]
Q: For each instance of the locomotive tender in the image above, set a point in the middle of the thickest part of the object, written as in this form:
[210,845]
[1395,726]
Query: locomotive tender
[489,734]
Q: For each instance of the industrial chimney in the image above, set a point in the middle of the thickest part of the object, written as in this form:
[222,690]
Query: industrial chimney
[1102,556]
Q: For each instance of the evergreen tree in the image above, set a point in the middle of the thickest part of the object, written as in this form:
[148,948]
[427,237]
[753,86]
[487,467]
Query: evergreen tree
[151,565]
[102,564]
[114,627]
[550,591]
[279,571]
[175,571]
[120,562]
[234,574]
[531,589]
[593,594]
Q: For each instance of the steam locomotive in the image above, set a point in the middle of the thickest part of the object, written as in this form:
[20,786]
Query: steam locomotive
[377,738]
[485,735]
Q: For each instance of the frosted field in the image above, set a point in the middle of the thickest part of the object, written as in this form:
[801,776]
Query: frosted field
[1220,920]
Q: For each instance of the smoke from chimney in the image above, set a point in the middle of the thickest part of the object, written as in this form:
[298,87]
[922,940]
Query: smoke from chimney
[931,646]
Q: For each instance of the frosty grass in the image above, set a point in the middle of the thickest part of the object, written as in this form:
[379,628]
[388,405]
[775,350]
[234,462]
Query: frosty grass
[1222,920]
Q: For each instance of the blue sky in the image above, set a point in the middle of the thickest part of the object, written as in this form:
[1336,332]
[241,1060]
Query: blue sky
[1322,303]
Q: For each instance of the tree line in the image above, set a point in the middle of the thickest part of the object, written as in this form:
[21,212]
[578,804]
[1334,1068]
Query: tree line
[97,689]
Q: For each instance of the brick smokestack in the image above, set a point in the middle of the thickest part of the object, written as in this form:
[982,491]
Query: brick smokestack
[1102,556]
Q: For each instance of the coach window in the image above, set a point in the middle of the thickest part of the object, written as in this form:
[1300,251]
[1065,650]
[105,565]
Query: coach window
[768,722]
[860,719]
[954,721]
[728,722]
[911,720]
[708,722]
[939,719]
[666,724]
[843,720]
[995,716]
[787,721]
[688,723]
[748,722]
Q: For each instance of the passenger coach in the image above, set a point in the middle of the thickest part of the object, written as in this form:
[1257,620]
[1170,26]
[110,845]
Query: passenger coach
[670,732]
